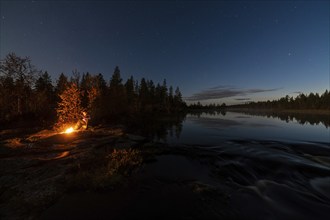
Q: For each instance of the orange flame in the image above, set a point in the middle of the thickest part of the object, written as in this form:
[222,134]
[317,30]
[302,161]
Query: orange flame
[69,130]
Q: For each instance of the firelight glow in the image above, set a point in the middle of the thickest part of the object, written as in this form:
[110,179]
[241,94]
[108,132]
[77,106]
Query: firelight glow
[69,130]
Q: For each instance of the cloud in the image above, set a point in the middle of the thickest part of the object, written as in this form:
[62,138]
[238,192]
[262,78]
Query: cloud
[243,99]
[222,91]
[222,87]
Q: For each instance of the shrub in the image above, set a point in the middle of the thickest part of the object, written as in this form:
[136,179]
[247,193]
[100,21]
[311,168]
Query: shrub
[123,161]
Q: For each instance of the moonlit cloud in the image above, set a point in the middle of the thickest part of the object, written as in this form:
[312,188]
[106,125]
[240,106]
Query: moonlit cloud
[243,99]
[221,91]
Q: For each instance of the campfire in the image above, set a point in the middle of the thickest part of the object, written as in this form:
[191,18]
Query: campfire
[79,125]
[69,130]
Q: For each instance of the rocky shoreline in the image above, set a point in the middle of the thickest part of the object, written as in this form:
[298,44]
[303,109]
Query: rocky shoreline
[39,170]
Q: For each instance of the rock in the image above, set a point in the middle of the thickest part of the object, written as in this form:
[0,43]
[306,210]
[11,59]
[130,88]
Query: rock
[135,137]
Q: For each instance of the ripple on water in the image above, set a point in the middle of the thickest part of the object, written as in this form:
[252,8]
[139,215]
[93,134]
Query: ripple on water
[321,185]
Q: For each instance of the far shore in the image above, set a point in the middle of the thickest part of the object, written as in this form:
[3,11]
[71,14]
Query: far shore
[298,111]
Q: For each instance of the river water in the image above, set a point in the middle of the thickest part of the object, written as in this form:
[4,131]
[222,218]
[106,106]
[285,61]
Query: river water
[213,129]
[272,166]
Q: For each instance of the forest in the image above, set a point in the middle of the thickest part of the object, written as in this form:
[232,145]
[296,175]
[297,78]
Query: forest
[28,93]
[311,101]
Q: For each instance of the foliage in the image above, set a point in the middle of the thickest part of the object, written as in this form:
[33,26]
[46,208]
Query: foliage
[62,83]
[17,78]
[24,90]
[123,161]
[211,106]
[44,98]
[100,173]
[69,108]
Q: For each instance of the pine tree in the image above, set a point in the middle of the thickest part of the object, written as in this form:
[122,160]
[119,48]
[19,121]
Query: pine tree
[44,97]
[129,86]
[62,84]
[143,94]
[171,96]
[117,94]
[69,107]
[116,79]
[6,98]
[131,95]
[94,97]
[178,102]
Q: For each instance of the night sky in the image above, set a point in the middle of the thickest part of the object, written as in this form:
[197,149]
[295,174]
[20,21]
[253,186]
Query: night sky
[214,51]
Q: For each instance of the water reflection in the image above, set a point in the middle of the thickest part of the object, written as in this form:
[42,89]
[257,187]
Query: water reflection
[218,123]
[215,112]
[301,118]
[215,126]
[159,127]
[203,128]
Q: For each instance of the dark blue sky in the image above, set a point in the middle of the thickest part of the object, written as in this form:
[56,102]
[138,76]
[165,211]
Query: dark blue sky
[233,51]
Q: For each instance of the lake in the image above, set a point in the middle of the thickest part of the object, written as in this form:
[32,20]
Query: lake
[216,128]
[273,166]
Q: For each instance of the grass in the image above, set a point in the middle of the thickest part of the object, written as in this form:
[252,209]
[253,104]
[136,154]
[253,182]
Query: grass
[102,173]
[123,161]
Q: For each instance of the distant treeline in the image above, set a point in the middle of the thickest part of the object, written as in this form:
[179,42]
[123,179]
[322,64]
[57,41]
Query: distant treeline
[313,101]
[26,92]
[212,106]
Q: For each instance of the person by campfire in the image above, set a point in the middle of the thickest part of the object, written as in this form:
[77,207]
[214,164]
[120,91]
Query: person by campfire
[83,121]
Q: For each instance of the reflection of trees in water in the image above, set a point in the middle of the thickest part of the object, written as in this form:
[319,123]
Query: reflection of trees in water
[301,118]
[159,127]
[213,112]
